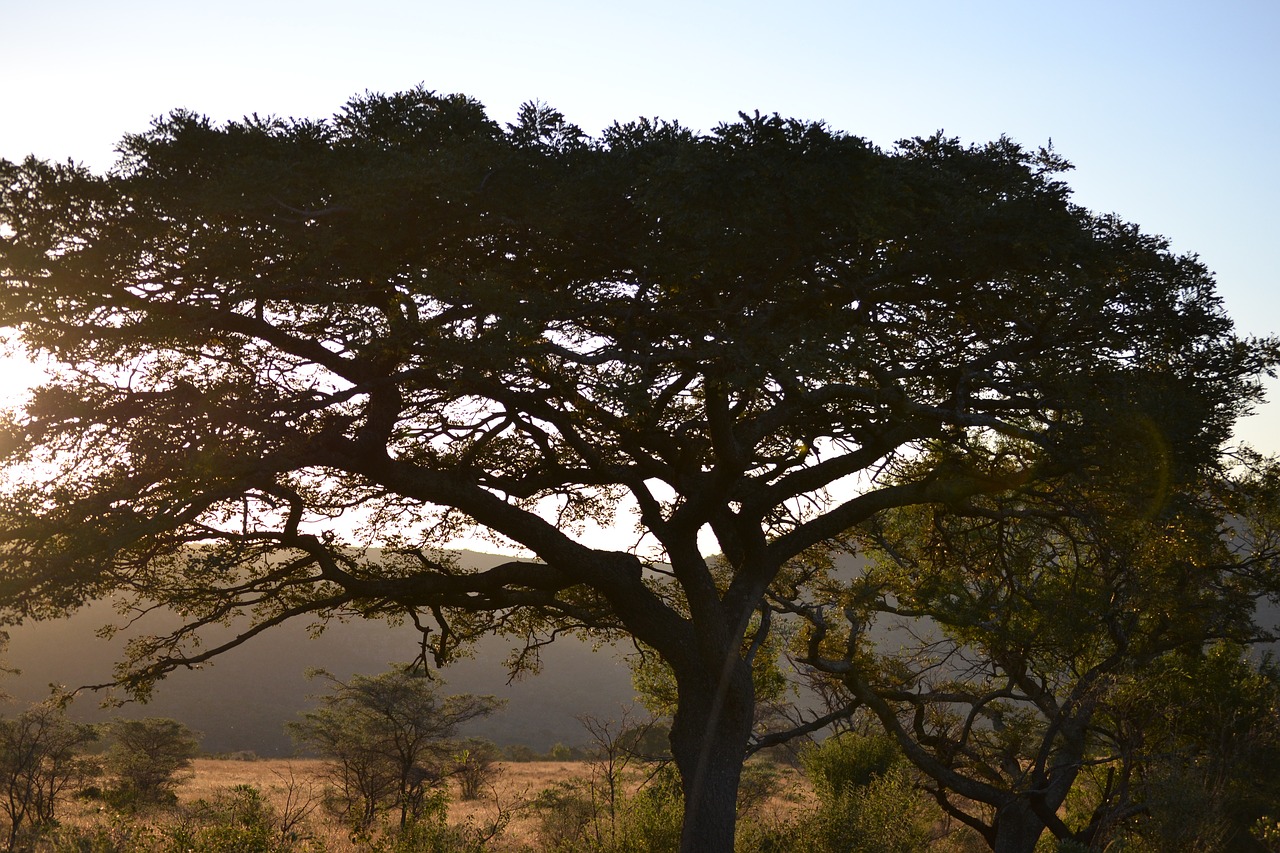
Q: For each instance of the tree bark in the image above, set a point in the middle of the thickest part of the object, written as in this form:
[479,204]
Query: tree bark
[708,742]
[1017,828]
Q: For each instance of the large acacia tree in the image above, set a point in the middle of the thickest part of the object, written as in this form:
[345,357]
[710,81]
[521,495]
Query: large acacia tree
[281,340]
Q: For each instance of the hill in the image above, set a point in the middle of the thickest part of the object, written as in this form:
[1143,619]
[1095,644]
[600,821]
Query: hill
[243,699]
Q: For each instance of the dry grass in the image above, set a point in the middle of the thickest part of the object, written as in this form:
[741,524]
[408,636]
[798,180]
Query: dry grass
[208,775]
[291,784]
[516,784]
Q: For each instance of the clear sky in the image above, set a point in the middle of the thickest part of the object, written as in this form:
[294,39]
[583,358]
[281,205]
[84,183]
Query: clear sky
[1168,109]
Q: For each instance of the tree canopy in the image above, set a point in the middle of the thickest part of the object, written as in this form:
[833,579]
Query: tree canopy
[280,341]
[1032,630]
[147,757]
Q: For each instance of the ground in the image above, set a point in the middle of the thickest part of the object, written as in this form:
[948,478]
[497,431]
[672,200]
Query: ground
[294,786]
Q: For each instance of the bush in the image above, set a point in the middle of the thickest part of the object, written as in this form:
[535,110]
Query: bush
[848,761]
[234,820]
[120,834]
[564,752]
[519,752]
[431,832]
[237,820]
[887,815]
[868,801]
[565,814]
[759,782]
[755,836]
[574,816]
[146,756]
[652,818]
[475,765]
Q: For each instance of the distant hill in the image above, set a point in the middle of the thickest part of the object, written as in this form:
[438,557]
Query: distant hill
[242,700]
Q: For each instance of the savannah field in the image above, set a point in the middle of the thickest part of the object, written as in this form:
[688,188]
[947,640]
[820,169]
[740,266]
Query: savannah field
[505,816]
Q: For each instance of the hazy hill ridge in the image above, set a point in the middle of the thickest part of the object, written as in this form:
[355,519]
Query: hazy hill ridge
[242,700]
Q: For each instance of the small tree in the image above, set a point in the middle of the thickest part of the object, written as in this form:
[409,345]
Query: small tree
[388,738]
[40,756]
[611,755]
[147,755]
[475,765]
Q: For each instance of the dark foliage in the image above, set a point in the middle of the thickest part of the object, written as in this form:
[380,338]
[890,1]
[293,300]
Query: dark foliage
[424,323]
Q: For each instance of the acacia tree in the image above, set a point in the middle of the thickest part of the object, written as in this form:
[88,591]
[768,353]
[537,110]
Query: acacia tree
[413,317]
[1030,621]
[147,755]
[389,739]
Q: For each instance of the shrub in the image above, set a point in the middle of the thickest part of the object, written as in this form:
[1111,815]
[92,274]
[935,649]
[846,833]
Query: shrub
[565,815]
[431,832]
[519,752]
[868,801]
[146,756]
[847,761]
[236,820]
[119,834]
[564,752]
[652,818]
[474,766]
[588,816]
[759,782]
[887,815]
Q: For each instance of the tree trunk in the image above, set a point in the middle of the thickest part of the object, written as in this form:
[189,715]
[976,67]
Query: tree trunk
[1017,828]
[708,742]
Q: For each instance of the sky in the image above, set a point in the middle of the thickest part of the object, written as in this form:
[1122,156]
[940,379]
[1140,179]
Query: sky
[1167,109]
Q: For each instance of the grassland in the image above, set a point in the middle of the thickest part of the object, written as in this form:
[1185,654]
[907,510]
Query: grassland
[507,814]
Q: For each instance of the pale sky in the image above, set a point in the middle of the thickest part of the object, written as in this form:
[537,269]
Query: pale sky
[1169,109]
